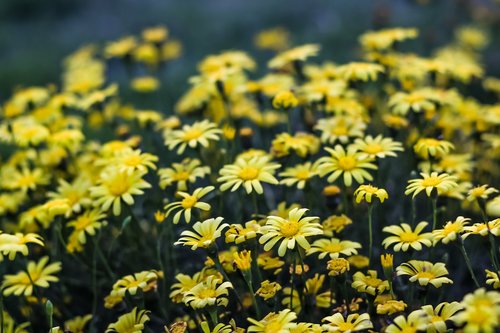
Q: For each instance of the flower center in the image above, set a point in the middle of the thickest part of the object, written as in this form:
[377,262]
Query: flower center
[192,134]
[333,248]
[374,148]
[182,175]
[340,131]
[344,327]
[290,228]
[273,327]
[425,275]
[431,181]
[118,187]
[27,180]
[189,202]
[302,175]
[82,222]
[207,293]
[347,163]
[132,161]
[408,237]
[450,228]
[249,173]
[372,282]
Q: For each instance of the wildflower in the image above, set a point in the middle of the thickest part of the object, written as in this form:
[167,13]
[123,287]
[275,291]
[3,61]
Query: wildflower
[242,260]
[299,53]
[76,192]
[416,321]
[334,224]
[333,247]
[483,229]
[367,191]
[441,314]
[239,234]
[285,100]
[337,266]
[391,307]
[289,231]
[184,284]
[199,133]
[430,182]
[37,274]
[145,84]
[359,261]
[267,262]
[275,39]
[377,146]
[384,39]
[353,323]
[188,202]
[301,143]
[429,147]
[87,223]
[249,173]
[311,291]
[340,128]
[268,290]
[481,310]
[26,179]
[77,324]
[404,237]
[425,272]
[298,174]
[493,278]
[188,171]
[114,186]
[348,163]
[450,230]
[330,190]
[121,47]
[134,321]
[362,71]
[417,101]
[205,234]
[10,245]
[387,261]
[144,281]
[480,192]
[130,160]
[395,121]
[210,292]
[369,284]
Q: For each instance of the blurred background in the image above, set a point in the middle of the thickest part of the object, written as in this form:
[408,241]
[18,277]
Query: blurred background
[35,35]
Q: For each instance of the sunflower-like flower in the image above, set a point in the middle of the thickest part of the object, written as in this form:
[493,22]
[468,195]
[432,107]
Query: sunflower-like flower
[301,143]
[450,230]
[370,283]
[183,173]
[429,182]
[10,245]
[367,192]
[184,284]
[249,173]
[391,307]
[415,322]
[299,53]
[285,99]
[353,323]
[209,292]
[145,281]
[417,101]
[298,175]
[114,186]
[377,146]
[340,128]
[198,134]
[334,248]
[425,272]
[350,164]
[238,233]
[404,237]
[77,324]
[440,315]
[188,202]
[483,229]
[385,38]
[289,231]
[204,235]
[363,71]
[480,313]
[268,290]
[134,321]
[480,192]
[37,274]
[430,147]
[85,224]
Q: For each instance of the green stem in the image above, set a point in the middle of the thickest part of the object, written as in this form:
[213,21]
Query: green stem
[413,212]
[162,268]
[467,260]
[94,282]
[1,312]
[491,238]
[218,265]
[370,232]
[344,198]
[247,275]
[434,212]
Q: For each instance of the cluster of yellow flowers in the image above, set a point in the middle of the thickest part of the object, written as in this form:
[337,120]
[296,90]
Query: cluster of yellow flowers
[294,202]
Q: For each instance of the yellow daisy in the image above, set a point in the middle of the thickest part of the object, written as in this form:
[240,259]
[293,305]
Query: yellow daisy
[334,248]
[369,284]
[188,202]
[298,175]
[429,147]
[431,182]
[340,128]
[425,272]
[299,53]
[377,146]
[353,323]
[210,292]
[183,173]
[204,235]
[133,321]
[281,322]
[10,245]
[450,230]
[198,134]
[404,237]
[366,192]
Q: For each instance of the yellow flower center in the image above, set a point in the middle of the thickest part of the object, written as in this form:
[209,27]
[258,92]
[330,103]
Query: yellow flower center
[273,327]
[133,284]
[431,181]
[432,143]
[450,228]
[192,134]
[347,163]
[374,148]
[435,319]
[344,327]
[181,175]
[408,237]
[333,248]
[426,275]
[26,180]
[302,175]
[290,228]
[477,192]
[118,187]
[189,202]
[409,329]
[82,222]
[132,160]
[479,317]
[248,173]
[372,282]
[415,98]
[207,293]
[340,131]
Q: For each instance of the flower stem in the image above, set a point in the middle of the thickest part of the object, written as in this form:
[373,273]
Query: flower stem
[467,260]
[434,212]
[370,232]
[493,247]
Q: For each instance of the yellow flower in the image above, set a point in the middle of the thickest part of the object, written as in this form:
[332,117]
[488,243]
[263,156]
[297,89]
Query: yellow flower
[311,291]
[76,192]
[267,262]
[114,186]
[204,235]
[481,311]
[377,146]
[340,128]
[188,171]
[429,147]
[480,192]
[450,230]
[404,237]
[26,132]
[145,84]
[238,233]
[429,182]
[210,292]
[77,324]
[440,315]
[359,261]
[289,231]
[301,143]
[299,53]
[472,37]
[184,284]
[385,38]
[285,100]
[335,224]
[275,39]
[121,47]
[145,281]
[425,272]
[86,223]
[415,322]
[333,247]
[134,321]
[243,260]
[155,34]
[249,173]
[353,323]
[268,290]
[394,121]
[298,174]
[366,192]
[199,133]
[350,164]
[25,179]
[362,71]
[369,284]
[188,202]
[483,229]
[493,279]
[10,245]
[391,307]
[417,101]
[387,260]
[37,274]
[337,266]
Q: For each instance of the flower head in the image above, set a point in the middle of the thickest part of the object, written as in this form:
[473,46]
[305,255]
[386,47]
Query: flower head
[204,235]
[404,237]
[366,192]
[431,182]
[425,272]
[353,323]
[188,202]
